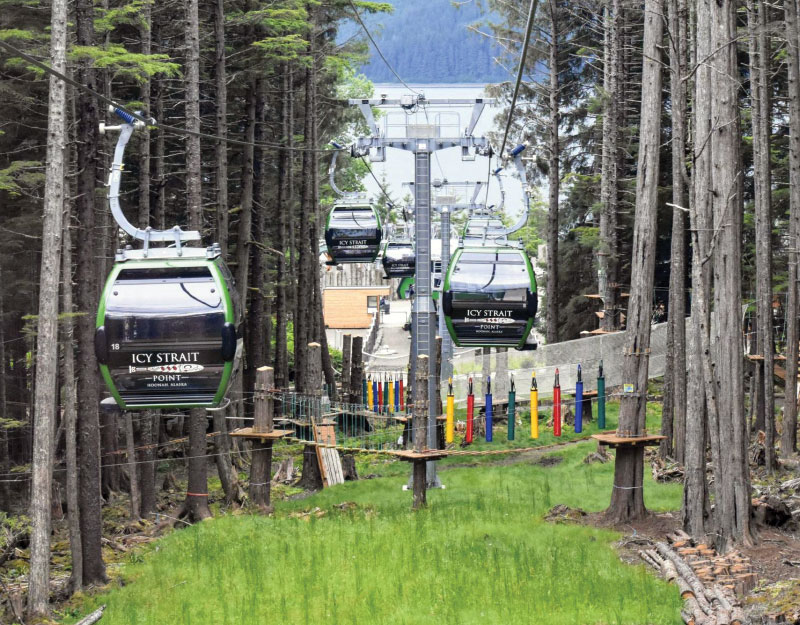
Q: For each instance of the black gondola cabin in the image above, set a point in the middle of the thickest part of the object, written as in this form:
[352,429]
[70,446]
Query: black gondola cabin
[167,332]
[489,297]
[353,234]
[399,259]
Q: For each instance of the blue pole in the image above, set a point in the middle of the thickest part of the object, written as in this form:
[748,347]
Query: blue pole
[375,403]
[601,399]
[396,396]
[488,409]
[579,403]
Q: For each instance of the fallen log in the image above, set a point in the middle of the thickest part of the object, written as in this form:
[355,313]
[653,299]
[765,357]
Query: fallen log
[93,617]
[685,571]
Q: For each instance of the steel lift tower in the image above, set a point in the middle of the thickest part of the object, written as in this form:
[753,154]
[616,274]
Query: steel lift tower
[422,140]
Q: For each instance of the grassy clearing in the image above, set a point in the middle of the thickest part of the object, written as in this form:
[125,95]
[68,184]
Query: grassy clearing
[480,554]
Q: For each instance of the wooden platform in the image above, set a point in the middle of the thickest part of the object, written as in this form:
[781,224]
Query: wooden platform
[612,440]
[265,436]
[407,455]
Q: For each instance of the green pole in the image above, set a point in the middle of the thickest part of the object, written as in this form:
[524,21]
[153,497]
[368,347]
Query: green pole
[601,399]
[512,410]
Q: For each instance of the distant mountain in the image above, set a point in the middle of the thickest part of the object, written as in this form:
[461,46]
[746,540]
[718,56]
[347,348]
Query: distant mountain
[427,41]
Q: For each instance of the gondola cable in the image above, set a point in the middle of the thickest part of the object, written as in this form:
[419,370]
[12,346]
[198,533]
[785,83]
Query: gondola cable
[377,48]
[138,117]
[521,69]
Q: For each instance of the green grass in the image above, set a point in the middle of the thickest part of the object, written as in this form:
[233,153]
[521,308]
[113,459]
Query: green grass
[479,554]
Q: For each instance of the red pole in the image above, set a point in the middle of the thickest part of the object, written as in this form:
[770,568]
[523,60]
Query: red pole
[556,407]
[380,397]
[402,394]
[470,412]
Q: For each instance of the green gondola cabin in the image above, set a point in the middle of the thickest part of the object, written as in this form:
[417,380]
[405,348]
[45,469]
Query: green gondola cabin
[167,333]
[489,297]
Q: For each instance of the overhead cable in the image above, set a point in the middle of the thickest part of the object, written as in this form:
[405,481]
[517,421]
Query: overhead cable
[149,121]
[377,48]
[525,43]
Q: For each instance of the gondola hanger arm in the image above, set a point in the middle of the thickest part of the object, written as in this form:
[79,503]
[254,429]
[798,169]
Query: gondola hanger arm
[516,153]
[126,129]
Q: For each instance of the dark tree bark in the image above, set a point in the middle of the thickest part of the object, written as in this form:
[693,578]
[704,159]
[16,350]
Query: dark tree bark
[607,252]
[5,451]
[46,389]
[257,318]
[553,181]
[94,570]
[196,505]
[311,478]
[727,427]
[284,208]
[789,434]
[303,315]
[221,150]
[627,501]
[148,436]
[145,33]
[701,396]
[761,121]
[70,410]
[674,419]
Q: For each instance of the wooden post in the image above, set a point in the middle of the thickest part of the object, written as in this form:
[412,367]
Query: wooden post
[356,369]
[346,358]
[420,421]
[261,467]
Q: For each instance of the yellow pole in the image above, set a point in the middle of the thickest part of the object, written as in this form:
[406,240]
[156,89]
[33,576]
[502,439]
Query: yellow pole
[534,407]
[369,393]
[451,410]
[391,396]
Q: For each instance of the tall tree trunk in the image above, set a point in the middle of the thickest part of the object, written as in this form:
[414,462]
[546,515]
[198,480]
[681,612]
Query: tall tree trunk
[701,397]
[284,208]
[553,181]
[221,78]
[71,411]
[606,255]
[727,428]
[44,417]
[678,18]
[94,570]
[760,114]
[145,467]
[159,180]
[257,320]
[144,147]
[306,255]
[789,435]
[196,505]
[130,446]
[148,436]
[246,199]
[5,451]
[627,501]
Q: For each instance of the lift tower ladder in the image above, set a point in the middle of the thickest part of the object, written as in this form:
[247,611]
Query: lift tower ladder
[423,314]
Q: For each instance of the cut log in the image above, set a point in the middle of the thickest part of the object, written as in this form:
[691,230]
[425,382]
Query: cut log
[685,571]
[93,617]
